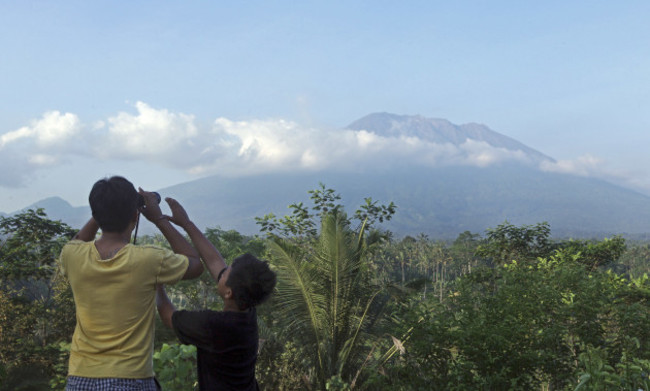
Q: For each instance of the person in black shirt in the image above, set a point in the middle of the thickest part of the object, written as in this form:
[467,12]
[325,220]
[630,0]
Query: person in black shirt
[226,341]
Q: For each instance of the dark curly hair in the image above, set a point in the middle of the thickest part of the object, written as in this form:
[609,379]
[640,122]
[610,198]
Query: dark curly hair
[251,281]
[113,202]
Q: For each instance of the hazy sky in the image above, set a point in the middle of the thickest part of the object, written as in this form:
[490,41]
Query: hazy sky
[165,92]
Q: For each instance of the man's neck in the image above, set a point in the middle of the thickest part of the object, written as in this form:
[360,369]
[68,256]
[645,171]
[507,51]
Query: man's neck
[115,237]
[110,243]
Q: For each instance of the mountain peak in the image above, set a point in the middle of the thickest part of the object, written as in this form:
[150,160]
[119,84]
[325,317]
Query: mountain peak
[439,131]
[50,203]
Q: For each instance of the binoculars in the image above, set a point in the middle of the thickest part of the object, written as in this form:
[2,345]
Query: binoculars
[141,202]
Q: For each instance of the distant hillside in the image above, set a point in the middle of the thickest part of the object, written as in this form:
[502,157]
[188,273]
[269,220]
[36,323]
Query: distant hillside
[59,209]
[438,202]
[441,202]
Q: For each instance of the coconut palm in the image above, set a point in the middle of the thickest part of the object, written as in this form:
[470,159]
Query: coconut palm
[327,301]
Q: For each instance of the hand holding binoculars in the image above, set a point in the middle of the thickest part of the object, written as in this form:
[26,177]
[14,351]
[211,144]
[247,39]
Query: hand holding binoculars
[141,202]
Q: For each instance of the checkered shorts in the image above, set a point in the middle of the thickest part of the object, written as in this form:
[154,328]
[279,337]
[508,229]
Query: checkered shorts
[76,383]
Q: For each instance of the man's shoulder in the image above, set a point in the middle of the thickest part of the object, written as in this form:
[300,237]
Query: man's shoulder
[74,245]
[150,249]
[77,242]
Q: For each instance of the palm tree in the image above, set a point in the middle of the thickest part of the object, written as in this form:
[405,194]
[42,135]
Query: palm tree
[327,301]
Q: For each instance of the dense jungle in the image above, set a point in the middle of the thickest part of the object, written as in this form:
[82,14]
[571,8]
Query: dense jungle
[358,308]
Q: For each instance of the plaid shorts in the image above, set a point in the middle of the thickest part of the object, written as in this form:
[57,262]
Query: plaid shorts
[76,383]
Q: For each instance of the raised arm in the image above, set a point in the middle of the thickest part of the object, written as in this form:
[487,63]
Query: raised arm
[210,255]
[88,232]
[177,241]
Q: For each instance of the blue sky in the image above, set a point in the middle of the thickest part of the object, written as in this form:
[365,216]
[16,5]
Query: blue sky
[165,92]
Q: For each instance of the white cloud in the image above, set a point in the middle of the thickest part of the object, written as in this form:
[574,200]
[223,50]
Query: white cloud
[246,147]
[43,143]
[586,165]
[150,134]
[272,145]
[53,130]
[594,167]
[11,137]
[482,154]
[175,140]
[42,159]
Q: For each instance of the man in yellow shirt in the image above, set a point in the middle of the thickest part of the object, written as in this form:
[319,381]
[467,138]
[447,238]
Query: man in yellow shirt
[114,287]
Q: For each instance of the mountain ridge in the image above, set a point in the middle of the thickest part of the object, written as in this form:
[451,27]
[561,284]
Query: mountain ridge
[440,131]
[430,202]
[439,201]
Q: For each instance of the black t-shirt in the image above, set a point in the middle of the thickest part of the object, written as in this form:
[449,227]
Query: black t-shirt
[226,344]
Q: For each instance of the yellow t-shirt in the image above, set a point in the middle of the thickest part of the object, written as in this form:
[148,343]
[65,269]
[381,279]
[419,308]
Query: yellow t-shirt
[115,302]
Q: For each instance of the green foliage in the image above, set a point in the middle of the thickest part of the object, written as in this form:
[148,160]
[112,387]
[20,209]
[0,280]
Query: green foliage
[636,259]
[335,383]
[595,254]
[597,374]
[526,326]
[420,358]
[302,223]
[232,244]
[175,367]
[29,377]
[33,313]
[60,366]
[370,212]
[325,200]
[416,265]
[518,326]
[512,311]
[464,252]
[505,330]
[280,365]
[507,242]
[299,223]
[326,299]
[30,246]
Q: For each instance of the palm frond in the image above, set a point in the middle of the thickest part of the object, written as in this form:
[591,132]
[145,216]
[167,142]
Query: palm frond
[297,292]
[351,343]
[327,297]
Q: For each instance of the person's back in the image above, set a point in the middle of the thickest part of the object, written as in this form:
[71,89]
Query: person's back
[226,343]
[115,301]
[113,283]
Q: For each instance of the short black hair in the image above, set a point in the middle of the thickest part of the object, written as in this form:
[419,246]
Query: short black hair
[113,202]
[251,281]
